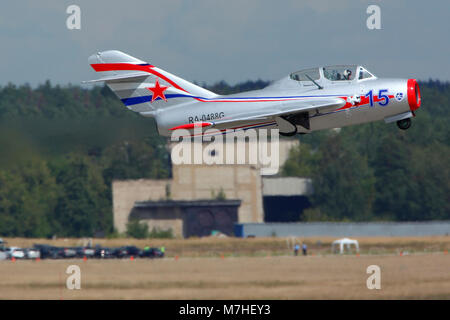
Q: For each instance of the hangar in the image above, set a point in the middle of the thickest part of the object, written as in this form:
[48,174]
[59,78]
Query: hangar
[189,218]
[217,195]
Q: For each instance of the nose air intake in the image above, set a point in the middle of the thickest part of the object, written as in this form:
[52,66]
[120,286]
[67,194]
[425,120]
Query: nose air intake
[414,99]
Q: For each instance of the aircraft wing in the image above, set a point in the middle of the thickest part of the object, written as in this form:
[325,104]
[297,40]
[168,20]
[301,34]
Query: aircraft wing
[285,108]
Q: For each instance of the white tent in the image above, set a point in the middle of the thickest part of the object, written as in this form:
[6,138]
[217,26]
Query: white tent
[344,242]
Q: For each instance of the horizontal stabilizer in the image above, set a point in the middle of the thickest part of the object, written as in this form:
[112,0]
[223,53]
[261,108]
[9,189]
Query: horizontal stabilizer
[128,77]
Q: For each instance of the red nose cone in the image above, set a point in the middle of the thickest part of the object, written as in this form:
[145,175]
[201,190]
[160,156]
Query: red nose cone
[413,94]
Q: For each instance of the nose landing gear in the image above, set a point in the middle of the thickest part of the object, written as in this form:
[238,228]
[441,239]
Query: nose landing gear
[404,124]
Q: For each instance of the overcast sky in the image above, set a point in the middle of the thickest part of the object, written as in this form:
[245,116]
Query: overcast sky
[234,40]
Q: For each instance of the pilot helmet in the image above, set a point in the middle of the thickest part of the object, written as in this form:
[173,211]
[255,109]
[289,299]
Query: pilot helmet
[347,73]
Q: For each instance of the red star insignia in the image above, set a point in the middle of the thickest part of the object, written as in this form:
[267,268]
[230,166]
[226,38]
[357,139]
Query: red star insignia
[158,91]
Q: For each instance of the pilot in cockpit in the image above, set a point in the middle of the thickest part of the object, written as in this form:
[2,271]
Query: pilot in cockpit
[347,74]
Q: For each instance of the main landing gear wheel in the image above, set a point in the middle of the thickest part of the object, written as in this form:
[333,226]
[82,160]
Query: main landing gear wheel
[404,124]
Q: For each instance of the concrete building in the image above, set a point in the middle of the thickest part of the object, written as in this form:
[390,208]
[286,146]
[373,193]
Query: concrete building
[195,182]
[189,183]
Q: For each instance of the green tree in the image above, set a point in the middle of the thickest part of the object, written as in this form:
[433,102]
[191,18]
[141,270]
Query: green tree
[135,160]
[393,172]
[28,195]
[343,182]
[301,161]
[431,174]
[83,207]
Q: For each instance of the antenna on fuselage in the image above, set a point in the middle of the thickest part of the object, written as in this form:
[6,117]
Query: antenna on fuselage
[318,85]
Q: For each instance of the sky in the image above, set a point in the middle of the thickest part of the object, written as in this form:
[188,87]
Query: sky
[234,40]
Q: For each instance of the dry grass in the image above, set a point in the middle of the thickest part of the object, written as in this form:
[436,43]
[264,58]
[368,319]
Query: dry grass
[419,276]
[259,268]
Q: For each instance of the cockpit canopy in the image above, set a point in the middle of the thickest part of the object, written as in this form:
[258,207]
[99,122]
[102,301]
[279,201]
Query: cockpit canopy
[339,73]
[333,74]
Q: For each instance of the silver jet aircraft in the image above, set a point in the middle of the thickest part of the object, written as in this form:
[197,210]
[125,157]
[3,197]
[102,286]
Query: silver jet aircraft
[305,101]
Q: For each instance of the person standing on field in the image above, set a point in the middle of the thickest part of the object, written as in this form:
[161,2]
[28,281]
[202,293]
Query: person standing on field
[296,248]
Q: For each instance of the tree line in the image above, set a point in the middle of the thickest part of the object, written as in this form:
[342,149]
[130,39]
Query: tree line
[60,148]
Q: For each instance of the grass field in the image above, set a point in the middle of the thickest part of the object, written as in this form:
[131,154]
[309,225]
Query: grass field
[239,269]
[418,276]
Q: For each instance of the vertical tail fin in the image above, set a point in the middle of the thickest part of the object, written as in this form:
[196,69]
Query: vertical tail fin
[141,86]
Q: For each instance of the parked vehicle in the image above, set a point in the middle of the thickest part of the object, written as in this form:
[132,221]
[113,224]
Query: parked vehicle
[82,252]
[69,252]
[152,253]
[89,252]
[104,253]
[47,251]
[15,252]
[120,252]
[127,251]
[32,253]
